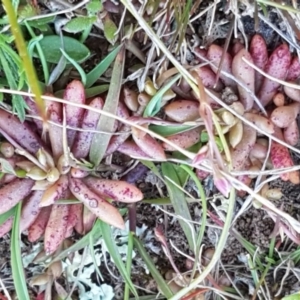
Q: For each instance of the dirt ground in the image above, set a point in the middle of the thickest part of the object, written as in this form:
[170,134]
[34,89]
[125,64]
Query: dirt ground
[254,225]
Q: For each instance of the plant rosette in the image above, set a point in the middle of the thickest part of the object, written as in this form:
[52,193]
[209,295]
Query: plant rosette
[47,170]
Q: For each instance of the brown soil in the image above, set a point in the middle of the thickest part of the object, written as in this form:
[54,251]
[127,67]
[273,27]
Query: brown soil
[254,225]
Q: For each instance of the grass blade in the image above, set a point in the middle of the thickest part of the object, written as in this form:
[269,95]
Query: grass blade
[76,65]
[169,130]
[151,298]
[113,250]
[204,212]
[128,263]
[96,90]
[164,288]
[91,248]
[89,93]
[178,200]
[6,215]
[182,175]
[150,165]
[154,105]
[218,250]
[34,43]
[58,70]
[106,124]
[94,75]
[16,259]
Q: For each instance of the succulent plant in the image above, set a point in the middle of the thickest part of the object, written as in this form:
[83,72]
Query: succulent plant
[46,166]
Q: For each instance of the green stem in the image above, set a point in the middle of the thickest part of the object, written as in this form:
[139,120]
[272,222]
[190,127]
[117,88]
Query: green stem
[27,63]
[41,54]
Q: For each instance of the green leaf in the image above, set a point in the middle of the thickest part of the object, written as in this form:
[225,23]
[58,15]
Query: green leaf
[264,9]
[164,288]
[292,297]
[128,263]
[178,200]
[76,65]
[57,71]
[113,250]
[164,130]
[32,44]
[15,4]
[154,105]
[19,106]
[10,68]
[204,211]
[6,167]
[4,38]
[204,138]
[110,30]
[89,93]
[183,176]
[194,149]
[96,90]
[85,34]
[12,56]
[94,6]
[95,74]
[157,201]
[39,51]
[79,24]
[7,214]
[51,46]
[92,252]
[106,124]
[41,23]
[27,11]
[149,298]
[18,273]
[150,165]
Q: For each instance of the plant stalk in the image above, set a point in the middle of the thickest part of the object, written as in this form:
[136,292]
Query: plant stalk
[27,63]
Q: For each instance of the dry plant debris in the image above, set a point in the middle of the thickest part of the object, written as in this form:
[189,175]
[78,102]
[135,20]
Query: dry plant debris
[233,116]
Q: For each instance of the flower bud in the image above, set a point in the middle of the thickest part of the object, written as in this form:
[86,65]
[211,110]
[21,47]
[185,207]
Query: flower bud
[63,165]
[221,183]
[45,158]
[228,118]
[36,173]
[53,175]
[149,88]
